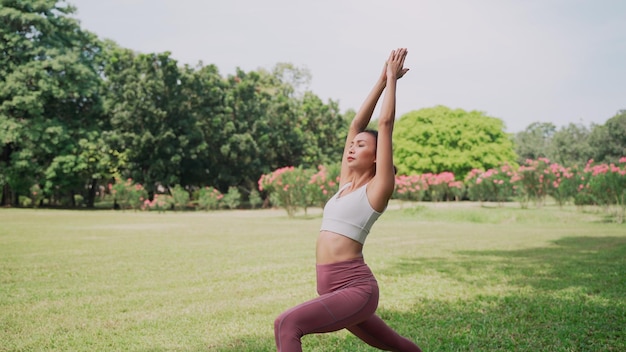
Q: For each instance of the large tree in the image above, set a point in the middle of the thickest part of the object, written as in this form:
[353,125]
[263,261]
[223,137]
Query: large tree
[50,109]
[570,145]
[535,141]
[441,139]
[608,141]
[154,130]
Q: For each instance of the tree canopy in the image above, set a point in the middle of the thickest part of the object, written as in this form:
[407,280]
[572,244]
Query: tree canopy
[440,139]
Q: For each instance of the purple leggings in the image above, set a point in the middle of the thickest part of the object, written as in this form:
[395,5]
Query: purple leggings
[348,299]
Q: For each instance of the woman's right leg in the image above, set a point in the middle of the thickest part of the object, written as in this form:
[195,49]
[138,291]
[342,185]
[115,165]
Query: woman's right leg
[329,312]
[376,333]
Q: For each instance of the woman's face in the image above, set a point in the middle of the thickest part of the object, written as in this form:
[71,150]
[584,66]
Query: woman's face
[362,151]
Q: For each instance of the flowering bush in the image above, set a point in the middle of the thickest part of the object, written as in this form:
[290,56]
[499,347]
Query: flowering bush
[532,181]
[160,202]
[209,198]
[128,194]
[439,186]
[411,187]
[180,197]
[604,185]
[492,185]
[287,187]
[434,187]
[563,183]
[323,184]
[290,187]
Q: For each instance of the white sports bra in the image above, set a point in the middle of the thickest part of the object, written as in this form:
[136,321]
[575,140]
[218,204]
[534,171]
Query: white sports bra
[350,215]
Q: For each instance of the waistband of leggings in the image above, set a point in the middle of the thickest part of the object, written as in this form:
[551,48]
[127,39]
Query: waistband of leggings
[349,262]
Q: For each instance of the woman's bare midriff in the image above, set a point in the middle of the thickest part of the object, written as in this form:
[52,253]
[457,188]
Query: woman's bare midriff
[334,248]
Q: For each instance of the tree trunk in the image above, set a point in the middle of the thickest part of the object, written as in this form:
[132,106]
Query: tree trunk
[6,195]
[91,194]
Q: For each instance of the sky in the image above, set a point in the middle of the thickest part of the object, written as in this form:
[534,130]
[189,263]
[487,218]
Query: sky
[522,61]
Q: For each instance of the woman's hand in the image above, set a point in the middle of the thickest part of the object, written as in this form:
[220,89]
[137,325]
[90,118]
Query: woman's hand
[394,67]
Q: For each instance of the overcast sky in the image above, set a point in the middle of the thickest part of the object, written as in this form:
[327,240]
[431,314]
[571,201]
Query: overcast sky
[523,61]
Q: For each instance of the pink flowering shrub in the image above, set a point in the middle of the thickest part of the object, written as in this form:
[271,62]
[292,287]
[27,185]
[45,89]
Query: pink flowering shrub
[428,186]
[209,198]
[128,194]
[180,196]
[160,202]
[410,187]
[323,184]
[532,181]
[291,188]
[494,185]
[442,186]
[603,184]
[286,187]
[562,185]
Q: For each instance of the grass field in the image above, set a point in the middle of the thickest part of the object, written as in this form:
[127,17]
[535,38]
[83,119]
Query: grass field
[453,277]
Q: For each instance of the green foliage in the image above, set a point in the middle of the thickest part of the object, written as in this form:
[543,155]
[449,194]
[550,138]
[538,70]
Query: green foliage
[604,185]
[180,197]
[50,76]
[254,198]
[209,198]
[160,203]
[287,187]
[292,188]
[232,198]
[608,141]
[439,139]
[533,181]
[323,184]
[535,142]
[570,145]
[128,194]
[493,185]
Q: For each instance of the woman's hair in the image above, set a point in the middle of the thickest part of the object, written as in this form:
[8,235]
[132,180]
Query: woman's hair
[374,133]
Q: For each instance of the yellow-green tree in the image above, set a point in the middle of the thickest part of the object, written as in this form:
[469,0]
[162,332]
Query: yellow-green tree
[441,139]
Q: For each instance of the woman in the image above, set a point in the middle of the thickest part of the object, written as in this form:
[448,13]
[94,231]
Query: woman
[348,290]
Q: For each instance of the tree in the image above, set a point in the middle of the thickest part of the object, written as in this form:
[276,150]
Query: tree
[570,146]
[535,141]
[153,126]
[49,73]
[608,141]
[440,139]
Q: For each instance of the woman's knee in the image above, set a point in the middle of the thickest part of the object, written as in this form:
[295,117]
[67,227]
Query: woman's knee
[284,325]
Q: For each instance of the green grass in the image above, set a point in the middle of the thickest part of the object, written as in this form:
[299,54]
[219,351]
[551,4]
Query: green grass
[453,277]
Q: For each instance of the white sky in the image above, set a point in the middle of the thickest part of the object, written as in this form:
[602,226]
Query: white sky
[522,61]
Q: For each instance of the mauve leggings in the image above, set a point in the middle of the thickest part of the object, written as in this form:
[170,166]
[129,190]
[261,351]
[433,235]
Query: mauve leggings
[348,299]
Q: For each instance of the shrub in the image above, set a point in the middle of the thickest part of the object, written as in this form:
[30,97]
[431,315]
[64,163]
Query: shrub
[323,184]
[160,202]
[532,181]
[128,194]
[287,187]
[410,187]
[255,199]
[494,185]
[180,197]
[209,198]
[232,198]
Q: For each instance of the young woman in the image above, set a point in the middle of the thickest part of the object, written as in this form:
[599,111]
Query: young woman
[347,288]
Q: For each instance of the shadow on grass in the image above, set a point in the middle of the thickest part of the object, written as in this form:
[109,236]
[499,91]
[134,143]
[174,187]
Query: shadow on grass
[566,297]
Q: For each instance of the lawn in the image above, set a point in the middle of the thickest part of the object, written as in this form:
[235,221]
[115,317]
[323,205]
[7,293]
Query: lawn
[453,277]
